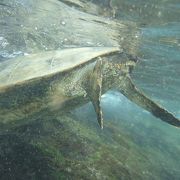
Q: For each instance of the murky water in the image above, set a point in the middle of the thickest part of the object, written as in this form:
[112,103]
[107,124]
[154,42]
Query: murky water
[133,144]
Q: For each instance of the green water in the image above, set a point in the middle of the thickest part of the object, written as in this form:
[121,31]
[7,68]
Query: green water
[133,144]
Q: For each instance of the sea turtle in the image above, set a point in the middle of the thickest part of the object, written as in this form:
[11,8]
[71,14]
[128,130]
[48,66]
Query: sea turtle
[95,59]
[66,79]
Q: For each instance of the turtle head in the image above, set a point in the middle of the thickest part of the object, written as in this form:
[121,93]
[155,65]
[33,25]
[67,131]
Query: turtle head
[120,64]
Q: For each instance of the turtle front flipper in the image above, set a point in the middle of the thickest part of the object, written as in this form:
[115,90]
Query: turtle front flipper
[127,88]
[94,90]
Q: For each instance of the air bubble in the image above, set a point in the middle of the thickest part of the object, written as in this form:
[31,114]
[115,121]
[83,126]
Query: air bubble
[63,23]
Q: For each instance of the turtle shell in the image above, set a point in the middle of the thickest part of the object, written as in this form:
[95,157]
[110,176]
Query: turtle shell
[23,68]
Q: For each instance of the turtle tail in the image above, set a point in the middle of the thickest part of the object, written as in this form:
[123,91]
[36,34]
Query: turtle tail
[128,89]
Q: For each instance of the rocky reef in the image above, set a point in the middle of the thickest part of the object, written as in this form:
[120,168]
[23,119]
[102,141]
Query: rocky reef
[54,146]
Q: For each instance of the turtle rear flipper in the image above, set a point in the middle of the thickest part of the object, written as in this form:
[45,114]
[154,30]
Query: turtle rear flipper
[128,89]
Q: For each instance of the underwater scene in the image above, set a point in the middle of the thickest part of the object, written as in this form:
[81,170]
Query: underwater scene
[89,90]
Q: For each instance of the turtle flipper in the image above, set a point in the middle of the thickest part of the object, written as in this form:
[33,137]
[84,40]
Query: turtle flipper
[128,89]
[94,90]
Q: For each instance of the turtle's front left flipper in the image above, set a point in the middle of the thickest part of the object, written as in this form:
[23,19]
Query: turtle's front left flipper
[94,90]
[127,88]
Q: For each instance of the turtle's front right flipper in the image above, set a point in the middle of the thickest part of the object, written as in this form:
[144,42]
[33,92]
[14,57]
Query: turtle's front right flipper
[127,88]
[94,90]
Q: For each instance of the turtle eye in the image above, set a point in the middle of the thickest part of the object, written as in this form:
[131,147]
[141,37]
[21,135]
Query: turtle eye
[132,58]
[131,68]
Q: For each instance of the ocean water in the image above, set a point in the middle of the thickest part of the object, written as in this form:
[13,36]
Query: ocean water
[134,144]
